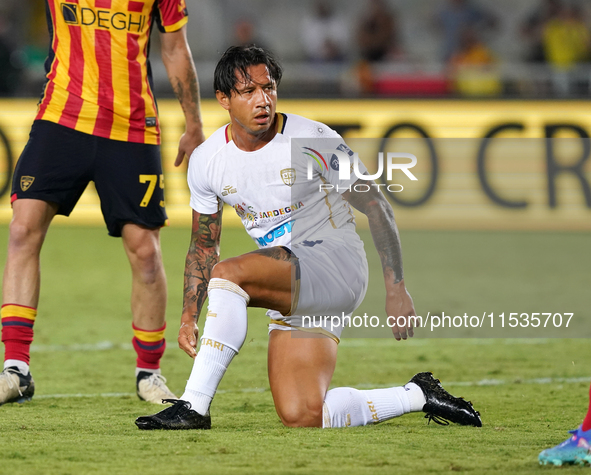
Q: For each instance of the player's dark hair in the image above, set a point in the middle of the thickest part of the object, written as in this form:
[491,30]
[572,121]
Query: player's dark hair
[236,60]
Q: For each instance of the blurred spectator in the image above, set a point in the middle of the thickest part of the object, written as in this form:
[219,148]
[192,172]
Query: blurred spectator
[325,36]
[566,38]
[245,34]
[533,28]
[472,67]
[456,17]
[472,51]
[567,42]
[377,34]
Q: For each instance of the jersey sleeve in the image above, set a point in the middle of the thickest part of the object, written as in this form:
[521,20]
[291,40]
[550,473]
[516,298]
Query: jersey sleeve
[171,15]
[203,198]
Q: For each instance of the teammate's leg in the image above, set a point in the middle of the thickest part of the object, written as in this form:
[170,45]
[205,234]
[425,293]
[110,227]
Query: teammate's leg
[20,293]
[148,307]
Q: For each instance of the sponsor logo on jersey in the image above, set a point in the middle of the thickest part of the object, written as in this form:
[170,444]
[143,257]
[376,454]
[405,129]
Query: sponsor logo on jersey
[245,212]
[70,13]
[130,21]
[229,190]
[281,211]
[274,234]
[26,182]
[317,156]
[288,175]
[334,160]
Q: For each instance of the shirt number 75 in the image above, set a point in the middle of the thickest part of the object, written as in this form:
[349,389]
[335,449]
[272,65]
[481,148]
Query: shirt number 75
[151,180]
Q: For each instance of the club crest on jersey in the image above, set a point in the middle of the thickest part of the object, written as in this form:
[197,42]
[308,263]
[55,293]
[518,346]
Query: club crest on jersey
[288,175]
[26,182]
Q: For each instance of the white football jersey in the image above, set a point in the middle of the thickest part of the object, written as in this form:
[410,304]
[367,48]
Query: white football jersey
[281,192]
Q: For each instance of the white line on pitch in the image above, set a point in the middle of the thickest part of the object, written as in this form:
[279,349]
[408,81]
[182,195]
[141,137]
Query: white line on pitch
[482,382]
[349,342]
[65,396]
[100,346]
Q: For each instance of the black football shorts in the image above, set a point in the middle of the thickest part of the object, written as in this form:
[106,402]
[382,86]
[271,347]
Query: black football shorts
[58,163]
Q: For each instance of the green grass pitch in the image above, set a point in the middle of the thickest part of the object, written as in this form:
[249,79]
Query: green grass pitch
[529,391]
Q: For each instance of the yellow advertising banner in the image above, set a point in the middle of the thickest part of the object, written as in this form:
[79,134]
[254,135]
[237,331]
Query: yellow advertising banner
[480,165]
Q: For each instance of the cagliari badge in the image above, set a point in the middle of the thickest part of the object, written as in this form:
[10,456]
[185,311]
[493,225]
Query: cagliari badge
[288,175]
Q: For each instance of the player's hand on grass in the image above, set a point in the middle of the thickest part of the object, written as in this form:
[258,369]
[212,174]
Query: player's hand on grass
[399,304]
[189,142]
[188,336]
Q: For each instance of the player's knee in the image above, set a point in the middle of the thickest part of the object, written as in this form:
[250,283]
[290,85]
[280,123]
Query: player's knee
[229,269]
[147,260]
[301,414]
[24,235]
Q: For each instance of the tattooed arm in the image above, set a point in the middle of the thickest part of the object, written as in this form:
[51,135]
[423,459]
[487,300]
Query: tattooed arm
[387,241]
[177,59]
[203,254]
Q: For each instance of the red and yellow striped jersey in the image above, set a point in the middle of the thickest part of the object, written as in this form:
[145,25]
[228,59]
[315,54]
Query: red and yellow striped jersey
[98,73]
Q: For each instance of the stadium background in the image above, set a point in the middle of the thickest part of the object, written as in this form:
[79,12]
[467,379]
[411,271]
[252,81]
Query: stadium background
[516,164]
[419,83]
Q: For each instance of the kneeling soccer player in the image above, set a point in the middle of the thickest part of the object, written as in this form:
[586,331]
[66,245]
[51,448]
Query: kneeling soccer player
[310,262]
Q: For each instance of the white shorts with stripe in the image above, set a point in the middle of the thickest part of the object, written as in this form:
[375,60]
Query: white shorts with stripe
[332,281]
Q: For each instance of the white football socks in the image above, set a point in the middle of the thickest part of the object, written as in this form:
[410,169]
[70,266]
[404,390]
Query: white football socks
[344,407]
[223,335]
